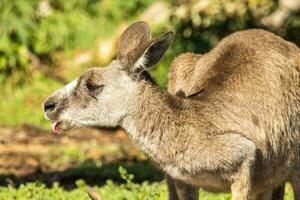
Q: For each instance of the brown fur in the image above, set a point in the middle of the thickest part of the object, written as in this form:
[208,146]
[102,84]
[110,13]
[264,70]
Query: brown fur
[241,135]
[188,77]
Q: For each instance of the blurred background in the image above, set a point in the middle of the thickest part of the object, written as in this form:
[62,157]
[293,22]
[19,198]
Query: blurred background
[44,44]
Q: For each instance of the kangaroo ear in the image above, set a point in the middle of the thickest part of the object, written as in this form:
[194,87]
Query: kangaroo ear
[132,43]
[137,52]
[154,52]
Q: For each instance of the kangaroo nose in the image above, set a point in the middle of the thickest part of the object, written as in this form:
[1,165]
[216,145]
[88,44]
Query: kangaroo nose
[49,105]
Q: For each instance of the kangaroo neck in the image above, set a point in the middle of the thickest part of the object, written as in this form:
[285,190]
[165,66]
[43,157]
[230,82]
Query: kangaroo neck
[152,120]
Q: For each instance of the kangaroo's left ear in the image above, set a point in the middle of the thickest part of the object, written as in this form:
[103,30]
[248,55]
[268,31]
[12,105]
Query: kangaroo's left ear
[153,53]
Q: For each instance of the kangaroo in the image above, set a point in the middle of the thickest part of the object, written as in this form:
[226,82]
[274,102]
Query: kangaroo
[242,135]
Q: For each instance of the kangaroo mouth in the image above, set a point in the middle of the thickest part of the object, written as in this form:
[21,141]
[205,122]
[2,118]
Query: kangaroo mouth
[56,127]
[59,127]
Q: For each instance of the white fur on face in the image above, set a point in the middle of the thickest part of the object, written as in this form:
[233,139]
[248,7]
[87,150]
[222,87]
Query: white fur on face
[70,87]
[108,107]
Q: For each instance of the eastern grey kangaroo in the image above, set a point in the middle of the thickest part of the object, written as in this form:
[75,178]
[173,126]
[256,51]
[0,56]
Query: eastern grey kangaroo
[242,135]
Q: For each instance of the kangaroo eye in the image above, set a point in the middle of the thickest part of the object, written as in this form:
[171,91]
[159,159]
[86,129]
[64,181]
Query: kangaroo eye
[92,87]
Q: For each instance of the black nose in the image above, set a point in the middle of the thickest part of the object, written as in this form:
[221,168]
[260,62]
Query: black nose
[49,105]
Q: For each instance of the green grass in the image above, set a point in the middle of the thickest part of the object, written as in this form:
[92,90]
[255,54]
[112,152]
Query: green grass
[110,191]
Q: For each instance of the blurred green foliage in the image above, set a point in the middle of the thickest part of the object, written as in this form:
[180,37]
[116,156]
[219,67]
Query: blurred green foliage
[41,27]
[206,22]
[24,104]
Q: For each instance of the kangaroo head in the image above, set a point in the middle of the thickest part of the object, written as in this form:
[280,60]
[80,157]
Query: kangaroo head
[100,96]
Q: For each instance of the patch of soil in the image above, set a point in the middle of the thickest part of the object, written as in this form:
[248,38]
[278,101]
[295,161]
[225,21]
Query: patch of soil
[31,153]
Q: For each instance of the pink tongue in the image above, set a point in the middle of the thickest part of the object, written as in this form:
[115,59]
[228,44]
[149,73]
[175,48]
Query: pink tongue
[55,128]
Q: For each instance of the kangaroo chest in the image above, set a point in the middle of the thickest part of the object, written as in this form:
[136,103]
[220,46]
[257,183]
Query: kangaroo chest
[207,181]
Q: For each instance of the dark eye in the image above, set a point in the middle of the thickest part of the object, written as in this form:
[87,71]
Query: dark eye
[92,87]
